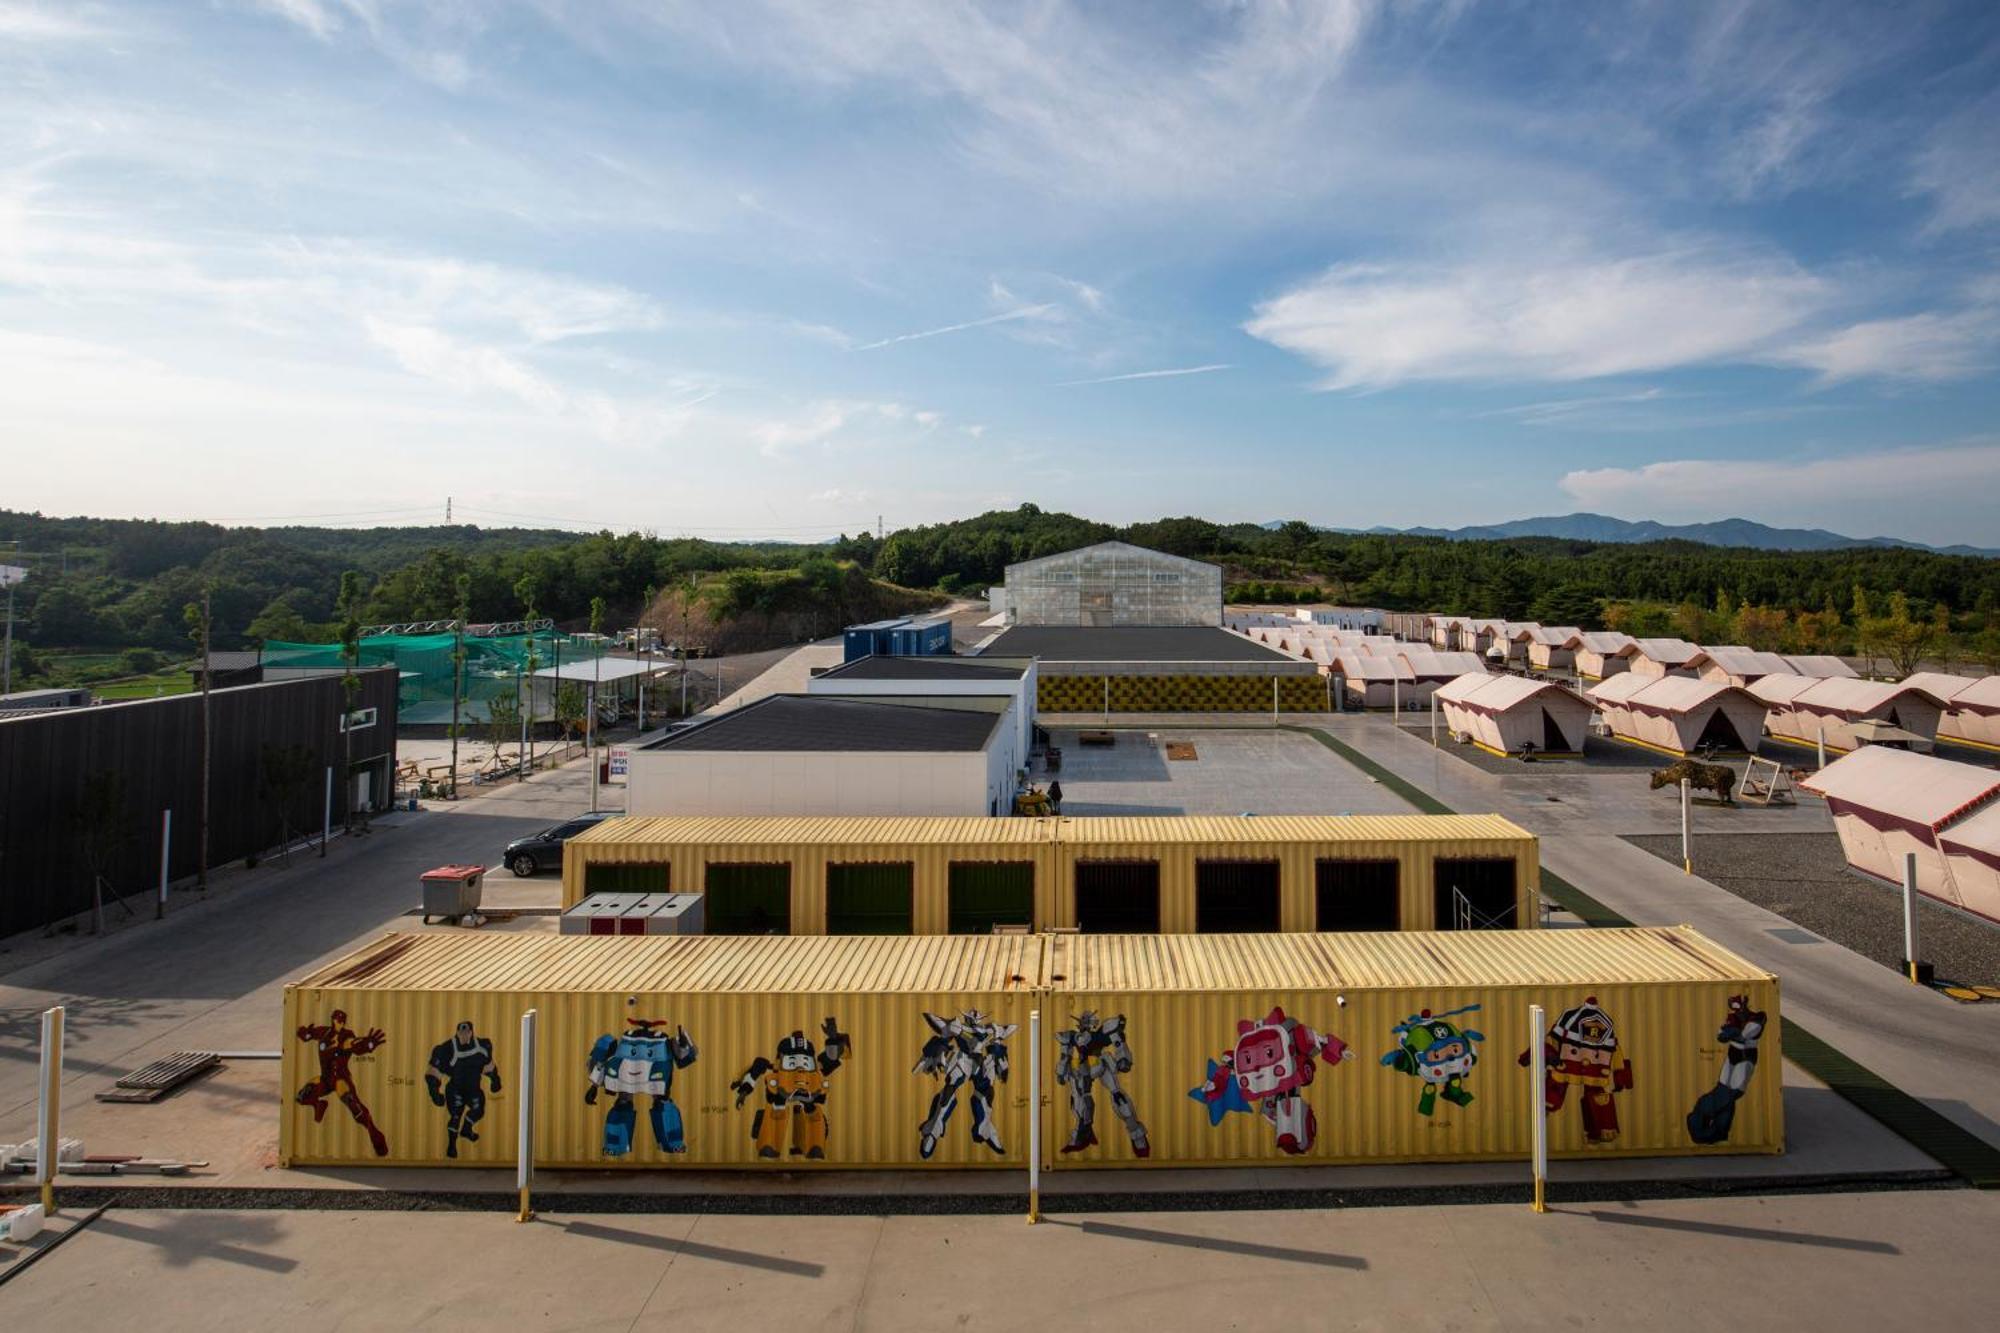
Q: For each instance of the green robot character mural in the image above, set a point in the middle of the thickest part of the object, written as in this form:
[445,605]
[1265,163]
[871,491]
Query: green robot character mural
[1438,1053]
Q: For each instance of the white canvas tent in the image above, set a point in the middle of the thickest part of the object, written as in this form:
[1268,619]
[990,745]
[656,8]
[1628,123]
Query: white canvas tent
[1664,657]
[1604,653]
[1375,682]
[1552,648]
[1733,664]
[1887,803]
[1680,716]
[1507,715]
[1822,665]
[1971,849]
[1972,706]
[1804,710]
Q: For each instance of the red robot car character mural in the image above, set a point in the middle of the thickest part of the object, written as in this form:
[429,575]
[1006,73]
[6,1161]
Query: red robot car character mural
[1582,1052]
[1266,1072]
[337,1045]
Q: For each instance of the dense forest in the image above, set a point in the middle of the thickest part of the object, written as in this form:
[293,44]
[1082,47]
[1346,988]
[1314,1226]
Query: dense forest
[113,585]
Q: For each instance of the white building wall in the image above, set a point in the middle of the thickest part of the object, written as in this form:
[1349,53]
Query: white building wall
[695,782]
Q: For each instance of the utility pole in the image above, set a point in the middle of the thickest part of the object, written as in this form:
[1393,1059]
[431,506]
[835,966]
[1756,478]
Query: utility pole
[200,626]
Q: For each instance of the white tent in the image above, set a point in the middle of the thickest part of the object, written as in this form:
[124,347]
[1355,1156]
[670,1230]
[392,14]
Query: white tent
[1887,803]
[1680,716]
[1664,657]
[1803,710]
[1375,682]
[1971,849]
[1604,654]
[1507,715]
[1972,706]
[1822,665]
[1733,664]
[1516,637]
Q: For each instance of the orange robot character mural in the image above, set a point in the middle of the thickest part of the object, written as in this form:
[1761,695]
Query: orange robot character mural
[793,1085]
[1582,1052]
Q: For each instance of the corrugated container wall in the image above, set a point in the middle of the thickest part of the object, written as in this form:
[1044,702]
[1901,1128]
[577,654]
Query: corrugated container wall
[1645,1027]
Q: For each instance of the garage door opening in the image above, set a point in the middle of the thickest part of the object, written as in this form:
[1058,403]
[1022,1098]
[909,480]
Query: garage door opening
[1475,894]
[600,878]
[985,894]
[1235,897]
[748,899]
[1118,897]
[1357,895]
[873,898]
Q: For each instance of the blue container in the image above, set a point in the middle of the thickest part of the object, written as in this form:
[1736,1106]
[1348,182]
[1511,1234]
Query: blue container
[870,640]
[923,638]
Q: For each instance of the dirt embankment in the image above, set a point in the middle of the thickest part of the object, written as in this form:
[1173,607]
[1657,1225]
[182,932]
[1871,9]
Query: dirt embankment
[747,615]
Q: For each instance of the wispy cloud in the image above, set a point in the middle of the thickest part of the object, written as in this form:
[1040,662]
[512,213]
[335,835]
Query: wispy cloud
[1005,317]
[1147,375]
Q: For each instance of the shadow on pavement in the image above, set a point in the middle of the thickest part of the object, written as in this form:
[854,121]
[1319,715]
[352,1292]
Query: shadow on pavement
[1249,1249]
[181,1244]
[696,1250]
[1742,1233]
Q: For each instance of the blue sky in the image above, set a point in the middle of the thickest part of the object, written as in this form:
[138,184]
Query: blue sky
[778,268]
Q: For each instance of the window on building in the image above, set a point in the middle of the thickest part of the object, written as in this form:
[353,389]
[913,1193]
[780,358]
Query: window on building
[359,720]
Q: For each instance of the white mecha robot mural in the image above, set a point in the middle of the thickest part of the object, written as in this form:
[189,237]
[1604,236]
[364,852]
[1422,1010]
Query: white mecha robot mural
[1093,1052]
[970,1049]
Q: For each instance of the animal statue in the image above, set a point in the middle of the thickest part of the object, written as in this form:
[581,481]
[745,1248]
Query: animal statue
[1718,778]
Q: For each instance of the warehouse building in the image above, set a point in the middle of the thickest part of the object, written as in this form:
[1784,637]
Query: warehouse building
[1112,583]
[1161,669]
[1175,874]
[1888,804]
[1679,716]
[1512,715]
[886,1014]
[803,754]
[1846,714]
[920,679]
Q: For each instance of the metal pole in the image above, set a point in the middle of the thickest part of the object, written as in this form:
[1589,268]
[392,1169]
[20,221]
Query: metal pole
[1107,698]
[1822,744]
[1396,700]
[524,1148]
[1918,972]
[1538,1075]
[590,740]
[1274,701]
[521,756]
[326,813]
[1687,852]
[7,653]
[166,855]
[1034,1116]
[48,1123]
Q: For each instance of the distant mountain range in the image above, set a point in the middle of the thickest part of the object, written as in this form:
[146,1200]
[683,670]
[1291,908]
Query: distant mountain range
[1725,532]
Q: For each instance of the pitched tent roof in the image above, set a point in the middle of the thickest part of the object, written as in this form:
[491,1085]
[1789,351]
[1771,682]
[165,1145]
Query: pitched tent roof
[1619,688]
[1680,694]
[1496,694]
[1361,666]
[1738,661]
[1668,652]
[1946,687]
[1856,697]
[1440,665]
[1977,836]
[1821,664]
[1522,631]
[1608,643]
[1558,636]
[1983,694]
[1917,788]
[1778,691]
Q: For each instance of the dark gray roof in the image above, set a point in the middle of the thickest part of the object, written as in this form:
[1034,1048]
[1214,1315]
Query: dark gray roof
[806,722]
[235,660]
[1128,643]
[924,668]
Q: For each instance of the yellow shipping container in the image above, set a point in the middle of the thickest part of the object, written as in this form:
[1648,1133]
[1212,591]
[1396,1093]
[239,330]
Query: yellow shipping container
[1269,872]
[713,1052]
[1410,1047]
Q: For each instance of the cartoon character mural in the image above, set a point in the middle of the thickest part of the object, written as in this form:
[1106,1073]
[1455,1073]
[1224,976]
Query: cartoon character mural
[793,1116]
[1715,1111]
[1437,1052]
[970,1049]
[1267,1072]
[640,1060]
[337,1045]
[1581,1048]
[458,1065]
[1093,1051]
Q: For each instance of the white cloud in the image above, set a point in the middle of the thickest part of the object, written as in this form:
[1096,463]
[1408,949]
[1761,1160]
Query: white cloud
[1539,317]
[1146,375]
[314,16]
[1928,346]
[1796,490]
[853,421]
[1031,312]
[24,21]
[1959,168]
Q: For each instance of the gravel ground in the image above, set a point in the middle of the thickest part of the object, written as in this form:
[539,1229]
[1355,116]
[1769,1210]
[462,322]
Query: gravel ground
[1600,757]
[1803,877]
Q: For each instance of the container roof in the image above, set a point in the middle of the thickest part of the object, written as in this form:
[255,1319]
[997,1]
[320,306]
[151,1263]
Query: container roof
[1130,643]
[798,722]
[927,668]
[1399,959]
[973,830]
[1164,829]
[1919,788]
[490,960]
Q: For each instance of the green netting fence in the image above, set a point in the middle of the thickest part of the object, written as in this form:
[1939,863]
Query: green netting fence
[494,667]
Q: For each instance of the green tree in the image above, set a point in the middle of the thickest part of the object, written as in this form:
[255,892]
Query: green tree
[103,828]
[1762,627]
[280,622]
[284,773]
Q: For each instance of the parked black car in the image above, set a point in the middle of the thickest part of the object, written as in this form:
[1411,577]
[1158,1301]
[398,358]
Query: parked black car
[524,856]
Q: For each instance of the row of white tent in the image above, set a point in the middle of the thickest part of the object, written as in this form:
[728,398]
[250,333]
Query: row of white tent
[1888,803]
[1596,655]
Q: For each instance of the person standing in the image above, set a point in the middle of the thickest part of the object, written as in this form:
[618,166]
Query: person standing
[1055,797]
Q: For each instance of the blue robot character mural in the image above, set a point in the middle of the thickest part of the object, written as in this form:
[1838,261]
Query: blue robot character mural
[1714,1112]
[1438,1053]
[640,1061]
[967,1052]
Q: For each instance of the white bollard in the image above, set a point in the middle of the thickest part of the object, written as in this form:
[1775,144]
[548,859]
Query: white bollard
[1918,972]
[48,1121]
[1034,1116]
[1687,850]
[524,1118]
[1537,1083]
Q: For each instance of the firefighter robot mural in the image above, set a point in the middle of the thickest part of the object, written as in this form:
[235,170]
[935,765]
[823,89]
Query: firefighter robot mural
[640,1061]
[337,1044]
[792,1083]
[1090,1053]
[969,1051]
[458,1065]
[1582,1052]
[1438,1053]
[1267,1073]
[1715,1112]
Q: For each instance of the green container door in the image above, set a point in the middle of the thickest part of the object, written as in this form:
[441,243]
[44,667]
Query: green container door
[1357,895]
[871,899]
[985,894]
[627,879]
[748,900]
